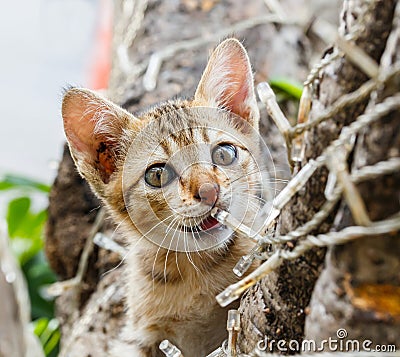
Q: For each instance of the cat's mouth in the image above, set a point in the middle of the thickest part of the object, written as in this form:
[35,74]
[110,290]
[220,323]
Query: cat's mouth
[207,224]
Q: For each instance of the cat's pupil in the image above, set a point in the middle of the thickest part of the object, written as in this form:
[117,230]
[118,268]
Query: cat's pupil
[224,154]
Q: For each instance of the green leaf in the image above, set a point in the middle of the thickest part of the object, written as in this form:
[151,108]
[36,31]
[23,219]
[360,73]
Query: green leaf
[288,87]
[40,325]
[25,249]
[32,226]
[25,228]
[9,181]
[5,185]
[47,330]
[17,211]
[38,275]
[51,346]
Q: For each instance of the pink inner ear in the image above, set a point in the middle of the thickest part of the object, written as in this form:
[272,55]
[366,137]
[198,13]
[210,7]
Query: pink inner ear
[79,114]
[79,124]
[236,95]
[79,135]
[228,81]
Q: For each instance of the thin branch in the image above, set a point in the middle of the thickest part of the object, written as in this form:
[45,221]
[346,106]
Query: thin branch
[348,99]
[157,58]
[58,288]
[234,291]
[358,57]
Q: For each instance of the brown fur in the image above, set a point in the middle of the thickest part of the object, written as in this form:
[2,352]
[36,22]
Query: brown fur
[171,294]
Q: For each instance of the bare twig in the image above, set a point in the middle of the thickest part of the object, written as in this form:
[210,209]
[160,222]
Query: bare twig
[101,240]
[358,57]
[344,142]
[348,99]
[234,291]
[275,7]
[157,58]
[57,288]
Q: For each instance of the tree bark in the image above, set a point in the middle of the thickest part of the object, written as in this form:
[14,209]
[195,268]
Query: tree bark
[342,296]
[359,290]
[276,306]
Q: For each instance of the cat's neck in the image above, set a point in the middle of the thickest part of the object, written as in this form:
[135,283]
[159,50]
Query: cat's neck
[162,267]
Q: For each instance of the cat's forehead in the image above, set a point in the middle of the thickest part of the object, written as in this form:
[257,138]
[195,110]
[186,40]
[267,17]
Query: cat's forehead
[183,140]
[187,132]
[186,125]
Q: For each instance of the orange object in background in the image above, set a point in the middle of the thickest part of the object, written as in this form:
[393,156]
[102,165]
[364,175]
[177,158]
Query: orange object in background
[100,63]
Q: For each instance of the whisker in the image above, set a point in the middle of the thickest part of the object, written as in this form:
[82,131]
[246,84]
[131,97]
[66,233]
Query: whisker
[117,227]
[155,260]
[188,253]
[205,251]
[176,255]
[198,233]
[166,261]
[132,248]
[248,174]
[196,223]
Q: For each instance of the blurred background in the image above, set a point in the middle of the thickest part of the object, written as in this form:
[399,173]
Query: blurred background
[47,45]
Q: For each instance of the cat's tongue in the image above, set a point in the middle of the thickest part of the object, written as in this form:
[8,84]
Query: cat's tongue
[209,223]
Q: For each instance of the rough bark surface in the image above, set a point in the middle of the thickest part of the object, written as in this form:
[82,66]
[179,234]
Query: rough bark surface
[72,211]
[294,281]
[359,290]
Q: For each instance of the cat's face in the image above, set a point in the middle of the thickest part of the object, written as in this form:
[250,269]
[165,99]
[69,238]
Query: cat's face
[182,165]
[169,168]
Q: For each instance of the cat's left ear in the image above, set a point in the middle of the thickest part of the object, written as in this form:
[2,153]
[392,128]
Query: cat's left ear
[227,82]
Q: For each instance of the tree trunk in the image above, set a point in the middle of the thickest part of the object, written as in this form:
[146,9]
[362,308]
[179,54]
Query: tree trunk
[358,289]
[183,32]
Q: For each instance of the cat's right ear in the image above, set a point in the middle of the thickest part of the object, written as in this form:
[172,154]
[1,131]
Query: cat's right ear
[95,129]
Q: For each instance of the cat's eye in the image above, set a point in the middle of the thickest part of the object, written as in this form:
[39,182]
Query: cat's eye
[159,175]
[224,154]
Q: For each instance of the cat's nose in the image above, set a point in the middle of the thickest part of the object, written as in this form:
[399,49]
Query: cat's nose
[208,193]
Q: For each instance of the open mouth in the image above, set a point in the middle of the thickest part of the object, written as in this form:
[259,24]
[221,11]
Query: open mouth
[206,224]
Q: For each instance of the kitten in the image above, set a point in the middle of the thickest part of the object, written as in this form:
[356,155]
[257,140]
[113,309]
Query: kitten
[159,176]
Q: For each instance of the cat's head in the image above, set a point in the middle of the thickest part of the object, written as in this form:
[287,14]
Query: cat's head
[170,167]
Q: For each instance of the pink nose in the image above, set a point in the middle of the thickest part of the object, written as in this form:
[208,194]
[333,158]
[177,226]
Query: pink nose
[208,193]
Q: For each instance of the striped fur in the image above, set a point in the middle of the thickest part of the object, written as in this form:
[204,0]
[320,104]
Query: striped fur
[172,294]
